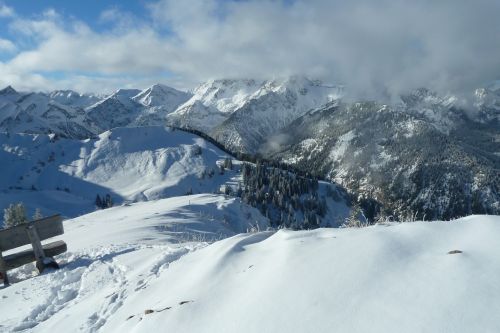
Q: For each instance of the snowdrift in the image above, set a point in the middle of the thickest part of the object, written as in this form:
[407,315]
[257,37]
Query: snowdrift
[383,278]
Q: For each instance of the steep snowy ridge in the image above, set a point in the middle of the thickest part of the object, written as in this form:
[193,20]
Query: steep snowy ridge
[9,94]
[212,102]
[73,99]
[81,116]
[241,113]
[116,110]
[38,113]
[60,112]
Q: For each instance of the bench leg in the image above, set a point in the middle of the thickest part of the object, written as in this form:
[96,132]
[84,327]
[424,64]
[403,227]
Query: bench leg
[37,247]
[48,262]
[3,272]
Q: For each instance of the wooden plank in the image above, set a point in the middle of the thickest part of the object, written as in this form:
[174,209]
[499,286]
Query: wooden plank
[17,236]
[25,257]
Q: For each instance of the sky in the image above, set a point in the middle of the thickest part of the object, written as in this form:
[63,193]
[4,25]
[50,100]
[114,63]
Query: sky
[373,48]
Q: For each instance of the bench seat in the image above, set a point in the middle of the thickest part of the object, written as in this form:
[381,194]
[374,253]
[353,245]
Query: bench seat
[27,256]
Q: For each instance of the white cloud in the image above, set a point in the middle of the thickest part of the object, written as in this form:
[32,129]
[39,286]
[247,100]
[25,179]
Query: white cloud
[7,46]
[371,46]
[6,11]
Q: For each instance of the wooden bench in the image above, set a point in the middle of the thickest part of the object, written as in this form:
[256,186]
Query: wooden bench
[31,233]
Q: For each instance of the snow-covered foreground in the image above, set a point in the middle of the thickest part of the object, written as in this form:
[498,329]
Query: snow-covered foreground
[115,253]
[125,273]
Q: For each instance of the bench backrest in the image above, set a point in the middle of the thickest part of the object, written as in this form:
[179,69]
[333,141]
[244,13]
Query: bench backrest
[17,236]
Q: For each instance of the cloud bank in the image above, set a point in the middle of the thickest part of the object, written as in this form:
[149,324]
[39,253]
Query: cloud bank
[372,47]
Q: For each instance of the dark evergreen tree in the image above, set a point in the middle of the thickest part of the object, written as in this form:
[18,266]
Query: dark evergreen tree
[98,202]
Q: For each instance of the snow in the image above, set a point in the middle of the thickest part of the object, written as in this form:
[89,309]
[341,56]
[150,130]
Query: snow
[161,259]
[160,95]
[341,146]
[125,275]
[278,101]
[114,253]
[131,164]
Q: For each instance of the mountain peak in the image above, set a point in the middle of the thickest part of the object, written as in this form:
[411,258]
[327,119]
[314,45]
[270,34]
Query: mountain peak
[8,91]
[161,95]
[128,93]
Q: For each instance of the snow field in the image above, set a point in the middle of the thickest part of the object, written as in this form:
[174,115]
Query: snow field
[383,278]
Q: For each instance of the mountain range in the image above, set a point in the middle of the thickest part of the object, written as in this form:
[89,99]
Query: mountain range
[427,155]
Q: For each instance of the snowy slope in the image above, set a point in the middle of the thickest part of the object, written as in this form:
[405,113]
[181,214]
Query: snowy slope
[131,164]
[116,110]
[384,278]
[114,253]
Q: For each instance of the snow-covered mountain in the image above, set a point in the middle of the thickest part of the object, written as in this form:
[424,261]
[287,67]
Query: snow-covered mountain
[70,114]
[130,164]
[212,102]
[424,156]
[74,99]
[60,175]
[160,95]
[41,113]
[116,110]
[242,113]
[9,94]
[487,101]
[305,123]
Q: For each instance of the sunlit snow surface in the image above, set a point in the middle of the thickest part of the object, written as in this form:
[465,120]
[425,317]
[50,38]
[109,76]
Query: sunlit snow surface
[127,272]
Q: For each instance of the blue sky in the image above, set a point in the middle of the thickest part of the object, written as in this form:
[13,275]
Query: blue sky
[371,47]
[86,10]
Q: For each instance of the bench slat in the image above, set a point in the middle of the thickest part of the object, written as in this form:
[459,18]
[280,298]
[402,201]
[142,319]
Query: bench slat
[25,257]
[17,236]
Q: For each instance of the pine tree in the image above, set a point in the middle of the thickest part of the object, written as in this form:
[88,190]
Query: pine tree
[15,215]
[98,202]
[38,214]
[108,202]
[355,216]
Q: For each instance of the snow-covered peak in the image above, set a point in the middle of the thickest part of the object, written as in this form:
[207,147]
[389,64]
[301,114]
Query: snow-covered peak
[73,98]
[121,97]
[487,102]
[489,97]
[310,93]
[8,91]
[160,95]
[10,94]
[227,95]
[129,93]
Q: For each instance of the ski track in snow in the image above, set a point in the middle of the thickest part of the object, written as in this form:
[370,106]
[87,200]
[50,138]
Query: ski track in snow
[90,274]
